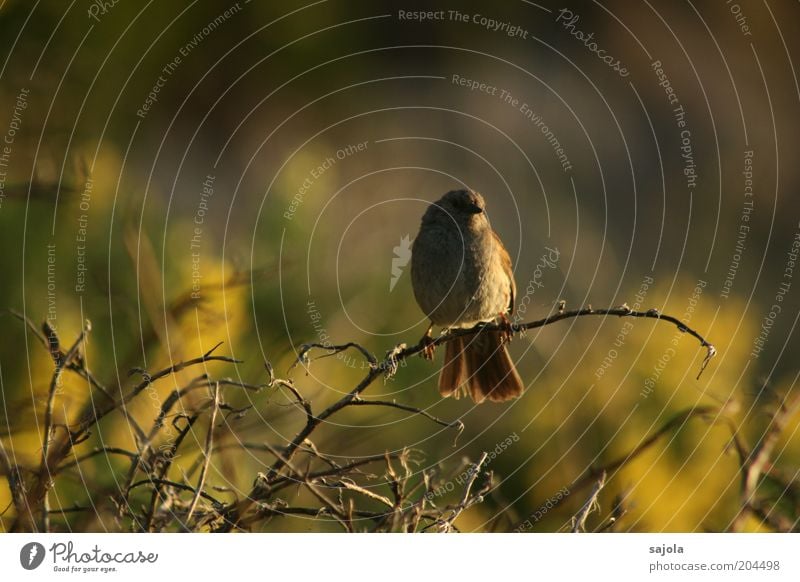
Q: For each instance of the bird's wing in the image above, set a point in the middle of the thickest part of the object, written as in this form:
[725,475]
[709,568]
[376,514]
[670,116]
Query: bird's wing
[505,262]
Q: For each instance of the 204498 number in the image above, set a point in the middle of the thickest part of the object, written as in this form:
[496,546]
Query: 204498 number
[743,565]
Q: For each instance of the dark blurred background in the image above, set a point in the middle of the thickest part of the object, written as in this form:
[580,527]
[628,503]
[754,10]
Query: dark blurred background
[183,173]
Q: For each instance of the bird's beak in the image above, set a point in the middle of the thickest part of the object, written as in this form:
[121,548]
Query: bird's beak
[474,209]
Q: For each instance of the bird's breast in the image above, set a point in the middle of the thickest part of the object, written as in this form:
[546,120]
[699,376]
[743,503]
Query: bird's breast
[457,276]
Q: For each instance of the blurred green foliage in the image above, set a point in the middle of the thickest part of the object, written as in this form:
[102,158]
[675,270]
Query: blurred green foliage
[267,103]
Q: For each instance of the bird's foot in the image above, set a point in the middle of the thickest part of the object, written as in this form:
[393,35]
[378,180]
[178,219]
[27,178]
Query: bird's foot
[506,328]
[428,345]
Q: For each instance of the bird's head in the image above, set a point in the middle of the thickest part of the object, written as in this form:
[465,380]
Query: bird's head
[464,207]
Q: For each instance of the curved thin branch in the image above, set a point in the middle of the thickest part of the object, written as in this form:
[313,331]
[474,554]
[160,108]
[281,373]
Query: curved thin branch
[181,486]
[55,381]
[302,355]
[456,424]
[621,311]
[579,520]
[236,511]
[594,474]
[209,449]
[94,453]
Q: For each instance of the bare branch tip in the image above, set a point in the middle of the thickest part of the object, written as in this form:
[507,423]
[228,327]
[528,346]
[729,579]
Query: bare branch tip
[459,426]
[212,350]
[712,351]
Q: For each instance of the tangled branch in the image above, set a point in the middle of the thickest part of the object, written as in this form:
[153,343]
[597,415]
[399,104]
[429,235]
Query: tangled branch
[339,490]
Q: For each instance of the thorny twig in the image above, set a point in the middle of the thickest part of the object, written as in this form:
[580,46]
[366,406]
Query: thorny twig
[201,481]
[456,424]
[467,499]
[757,463]
[579,520]
[55,382]
[621,311]
[677,421]
[405,514]
[375,369]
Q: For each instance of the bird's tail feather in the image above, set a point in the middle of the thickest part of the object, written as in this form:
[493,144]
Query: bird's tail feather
[480,366]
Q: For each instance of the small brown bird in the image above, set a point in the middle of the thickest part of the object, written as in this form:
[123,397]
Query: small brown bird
[461,274]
